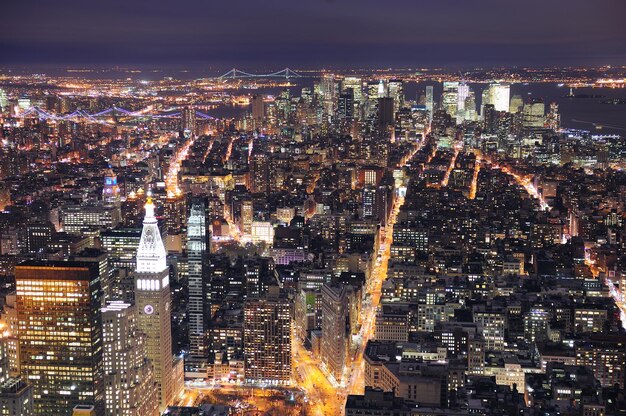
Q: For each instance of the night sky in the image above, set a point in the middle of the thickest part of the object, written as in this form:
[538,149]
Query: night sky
[312,33]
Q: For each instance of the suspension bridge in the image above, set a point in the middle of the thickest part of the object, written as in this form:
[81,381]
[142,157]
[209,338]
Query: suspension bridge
[239,74]
[105,116]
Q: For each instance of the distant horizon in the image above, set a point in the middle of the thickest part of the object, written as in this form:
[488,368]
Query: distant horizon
[322,33]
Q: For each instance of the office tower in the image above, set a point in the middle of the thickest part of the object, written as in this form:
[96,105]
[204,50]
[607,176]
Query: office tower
[259,172]
[345,107]
[121,245]
[16,395]
[429,101]
[517,103]
[100,261]
[490,118]
[385,112]
[175,211]
[500,96]
[197,244]
[130,389]
[4,102]
[534,113]
[462,93]
[38,236]
[267,339]
[449,97]
[485,100]
[334,344]
[90,219]
[357,88]
[470,107]
[258,108]
[110,191]
[358,98]
[328,93]
[153,302]
[369,201]
[395,88]
[553,119]
[60,334]
[247,215]
[188,120]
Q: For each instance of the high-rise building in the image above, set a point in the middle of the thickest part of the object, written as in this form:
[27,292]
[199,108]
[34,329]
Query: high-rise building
[4,102]
[60,334]
[449,97]
[345,107]
[16,395]
[130,389]
[429,101]
[517,103]
[153,301]
[395,88]
[197,244]
[267,339]
[90,218]
[358,99]
[111,190]
[258,108]
[334,344]
[534,113]
[259,172]
[500,94]
[188,120]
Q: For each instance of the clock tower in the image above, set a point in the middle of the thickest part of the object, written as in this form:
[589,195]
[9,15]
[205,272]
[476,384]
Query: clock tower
[153,300]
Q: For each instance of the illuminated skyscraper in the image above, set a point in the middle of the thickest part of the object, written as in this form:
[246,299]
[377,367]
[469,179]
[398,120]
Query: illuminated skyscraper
[396,91]
[429,101]
[153,302]
[16,396]
[258,108]
[4,102]
[267,339]
[60,334]
[500,96]
[449,97]
[130,389]
[188,120]
[110,191]
[197,244]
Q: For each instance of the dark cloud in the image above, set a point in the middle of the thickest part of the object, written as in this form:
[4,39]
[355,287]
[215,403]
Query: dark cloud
[277,33]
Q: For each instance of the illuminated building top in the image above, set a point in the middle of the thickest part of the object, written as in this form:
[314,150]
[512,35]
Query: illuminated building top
[151,253]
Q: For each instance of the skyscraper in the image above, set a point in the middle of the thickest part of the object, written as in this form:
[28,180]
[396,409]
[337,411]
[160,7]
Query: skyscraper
[267,339]
[130,389]
[111,190]
[196,252]
[334,344]
[153,301]
[16,396]
[188,120]
[258,108]
[429,101]
[449,97]
[60,334]
[500,96]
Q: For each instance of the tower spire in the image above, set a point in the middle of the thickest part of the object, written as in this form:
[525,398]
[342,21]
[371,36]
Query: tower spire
[151,255]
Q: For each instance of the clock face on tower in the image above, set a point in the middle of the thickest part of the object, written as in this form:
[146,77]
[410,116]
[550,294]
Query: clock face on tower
[148,309]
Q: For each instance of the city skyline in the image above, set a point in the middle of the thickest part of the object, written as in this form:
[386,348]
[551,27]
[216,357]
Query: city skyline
[320,208]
